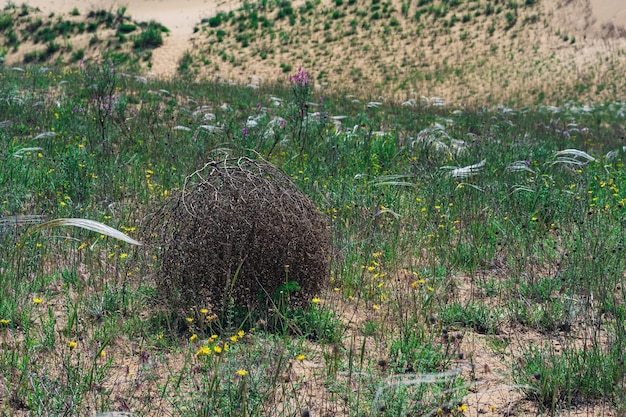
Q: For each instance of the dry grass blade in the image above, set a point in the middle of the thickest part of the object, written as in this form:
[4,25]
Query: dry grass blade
[86,224]
[383,211]
[21,152]
[519,166]
[413,379]
[434,136]
[467,171]
[393,180]
[611,155]
[45,135]
[518,188]
[17,221]
[466,184]
[573,157]
[114,414]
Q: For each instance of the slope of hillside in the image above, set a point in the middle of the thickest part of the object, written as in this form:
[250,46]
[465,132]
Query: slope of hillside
[469,52]
[478,51]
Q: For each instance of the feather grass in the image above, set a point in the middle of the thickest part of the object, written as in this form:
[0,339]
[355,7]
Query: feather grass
[572,157]
[20,152]
[413,379]
[45,135]
[519,166]
[11,222]
[467,171]
[86,224]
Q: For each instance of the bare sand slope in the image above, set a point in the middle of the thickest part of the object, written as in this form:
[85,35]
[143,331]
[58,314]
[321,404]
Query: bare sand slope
[593,17]
[609,11]
[178,16]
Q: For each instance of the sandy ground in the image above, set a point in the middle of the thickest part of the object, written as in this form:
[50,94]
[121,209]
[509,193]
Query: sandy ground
[609,11]
[178,16]
[181,16]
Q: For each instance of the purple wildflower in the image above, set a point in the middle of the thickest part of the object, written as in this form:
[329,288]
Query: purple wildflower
[301,78]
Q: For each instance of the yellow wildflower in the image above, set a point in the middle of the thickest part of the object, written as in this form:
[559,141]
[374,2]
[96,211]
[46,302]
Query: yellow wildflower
[204,350]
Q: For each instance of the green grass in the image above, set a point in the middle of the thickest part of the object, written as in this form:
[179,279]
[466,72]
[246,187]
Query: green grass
[428,256]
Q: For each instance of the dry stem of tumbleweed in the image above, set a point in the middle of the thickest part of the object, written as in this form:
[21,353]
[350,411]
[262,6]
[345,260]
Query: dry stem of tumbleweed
[239,232]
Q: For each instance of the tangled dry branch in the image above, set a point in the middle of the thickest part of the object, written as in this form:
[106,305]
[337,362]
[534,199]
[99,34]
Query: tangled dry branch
[240,232]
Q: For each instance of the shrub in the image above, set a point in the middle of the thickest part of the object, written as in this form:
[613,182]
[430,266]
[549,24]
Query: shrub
[151,37]
[78,55]
[31,57]
[12,39]
[52,48]
[215,21]
[6,22]
[241,234]
[510,20]
[45,35]
[126,28]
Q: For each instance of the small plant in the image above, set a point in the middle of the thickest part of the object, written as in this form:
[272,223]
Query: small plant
[78,55]
[511,19]
[150,37]
[185,62]
[301,90]
[557,379]
[285,67]
[101,101]
[6,22]
[126,28]
[473,315]
[319,324]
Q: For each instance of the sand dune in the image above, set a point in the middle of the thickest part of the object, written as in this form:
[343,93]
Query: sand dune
[179,17]
[596,25]
[609,11]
